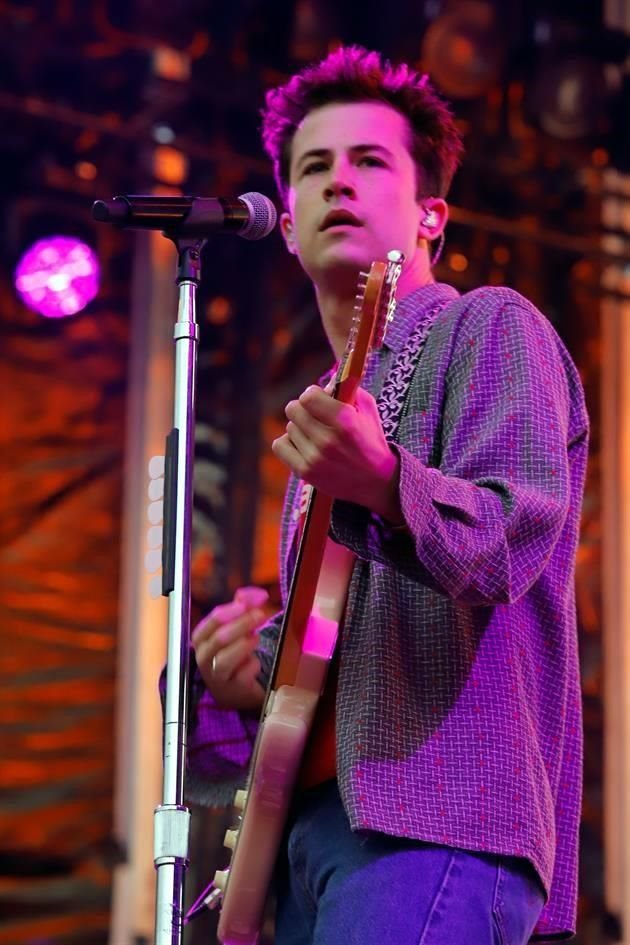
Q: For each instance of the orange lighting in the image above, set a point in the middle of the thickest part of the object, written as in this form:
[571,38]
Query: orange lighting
[458,262]
[600,157]
[85,170]
[282,339]
[171,64]
[463,51]
[169,165]
[219,310]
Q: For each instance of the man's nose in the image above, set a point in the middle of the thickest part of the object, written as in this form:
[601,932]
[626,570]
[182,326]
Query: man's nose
[340,183]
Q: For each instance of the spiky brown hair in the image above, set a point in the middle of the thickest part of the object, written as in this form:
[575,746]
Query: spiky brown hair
[354,74]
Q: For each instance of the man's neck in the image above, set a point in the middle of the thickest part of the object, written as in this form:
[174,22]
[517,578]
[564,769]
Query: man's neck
[336,303]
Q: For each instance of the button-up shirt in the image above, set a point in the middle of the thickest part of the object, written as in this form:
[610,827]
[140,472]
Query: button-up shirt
[458,703]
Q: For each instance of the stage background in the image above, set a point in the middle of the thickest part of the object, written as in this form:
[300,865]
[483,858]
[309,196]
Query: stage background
[111,97]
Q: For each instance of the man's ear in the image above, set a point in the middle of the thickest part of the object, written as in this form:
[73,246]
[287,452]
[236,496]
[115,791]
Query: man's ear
[433,218]
[286,228]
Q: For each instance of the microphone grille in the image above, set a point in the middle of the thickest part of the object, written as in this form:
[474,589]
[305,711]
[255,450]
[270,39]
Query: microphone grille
[262,216]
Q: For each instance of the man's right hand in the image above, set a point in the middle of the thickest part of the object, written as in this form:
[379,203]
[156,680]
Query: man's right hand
[224,643]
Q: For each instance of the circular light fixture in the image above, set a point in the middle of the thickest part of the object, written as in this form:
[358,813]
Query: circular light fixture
[569,97]
[57,276]
[462,50]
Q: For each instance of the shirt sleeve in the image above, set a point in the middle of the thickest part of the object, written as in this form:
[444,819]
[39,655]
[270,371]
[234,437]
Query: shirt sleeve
[481,526]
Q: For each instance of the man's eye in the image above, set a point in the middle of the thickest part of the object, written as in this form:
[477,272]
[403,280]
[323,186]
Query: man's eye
[314,167]
[371,161]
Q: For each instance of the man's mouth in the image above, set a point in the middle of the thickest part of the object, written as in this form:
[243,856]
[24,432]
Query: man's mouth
[339,218]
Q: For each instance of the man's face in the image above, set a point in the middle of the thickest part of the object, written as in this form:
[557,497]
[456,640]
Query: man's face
[352,190]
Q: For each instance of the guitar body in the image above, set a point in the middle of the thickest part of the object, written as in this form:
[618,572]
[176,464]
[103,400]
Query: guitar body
[306,645]
[283,737]
[284,731]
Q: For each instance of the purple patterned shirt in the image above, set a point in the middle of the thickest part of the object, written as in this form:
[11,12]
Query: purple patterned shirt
[458,703]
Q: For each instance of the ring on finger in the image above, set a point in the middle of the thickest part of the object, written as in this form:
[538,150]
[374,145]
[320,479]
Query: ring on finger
[213,664]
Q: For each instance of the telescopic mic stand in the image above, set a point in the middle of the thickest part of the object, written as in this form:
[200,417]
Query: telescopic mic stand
[188,222]
[172,817]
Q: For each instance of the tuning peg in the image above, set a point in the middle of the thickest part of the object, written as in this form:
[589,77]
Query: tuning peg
[220,879]
[230,838]
[240,799]
[396,256]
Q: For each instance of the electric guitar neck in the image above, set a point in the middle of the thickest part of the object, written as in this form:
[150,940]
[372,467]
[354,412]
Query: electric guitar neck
[305,648]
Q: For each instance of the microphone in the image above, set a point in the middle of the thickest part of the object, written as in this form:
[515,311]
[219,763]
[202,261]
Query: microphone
[251,216]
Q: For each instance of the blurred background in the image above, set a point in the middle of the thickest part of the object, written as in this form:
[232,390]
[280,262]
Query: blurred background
[133,96]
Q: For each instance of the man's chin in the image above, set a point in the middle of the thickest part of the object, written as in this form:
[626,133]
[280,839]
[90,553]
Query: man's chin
[344,262]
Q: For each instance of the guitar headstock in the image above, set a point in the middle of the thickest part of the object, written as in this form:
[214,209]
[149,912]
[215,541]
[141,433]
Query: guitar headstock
[374,310]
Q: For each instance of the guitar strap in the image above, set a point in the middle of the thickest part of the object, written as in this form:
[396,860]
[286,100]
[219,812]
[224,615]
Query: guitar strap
[391,400]
[318,763]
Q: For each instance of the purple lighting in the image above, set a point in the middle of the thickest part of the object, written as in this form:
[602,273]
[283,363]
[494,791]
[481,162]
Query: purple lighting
[57,276]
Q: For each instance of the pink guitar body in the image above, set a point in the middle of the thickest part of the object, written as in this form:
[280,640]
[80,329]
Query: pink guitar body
[284,730]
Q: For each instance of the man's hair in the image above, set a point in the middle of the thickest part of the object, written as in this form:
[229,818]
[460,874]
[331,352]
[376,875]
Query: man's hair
[353,74]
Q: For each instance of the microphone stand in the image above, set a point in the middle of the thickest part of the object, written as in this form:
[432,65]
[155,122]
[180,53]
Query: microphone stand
[172,817]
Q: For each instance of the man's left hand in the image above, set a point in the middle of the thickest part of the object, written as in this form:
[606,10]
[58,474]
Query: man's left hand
[341,450]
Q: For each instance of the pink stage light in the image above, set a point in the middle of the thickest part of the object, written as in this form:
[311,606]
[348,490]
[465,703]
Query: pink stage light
[57,276]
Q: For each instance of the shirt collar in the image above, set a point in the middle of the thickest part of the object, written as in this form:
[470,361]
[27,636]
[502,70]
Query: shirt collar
[413,308]
[408,312]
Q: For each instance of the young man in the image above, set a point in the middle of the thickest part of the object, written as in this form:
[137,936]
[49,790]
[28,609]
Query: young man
[449,811]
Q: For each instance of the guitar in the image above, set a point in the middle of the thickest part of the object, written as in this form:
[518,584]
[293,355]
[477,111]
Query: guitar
[306,644]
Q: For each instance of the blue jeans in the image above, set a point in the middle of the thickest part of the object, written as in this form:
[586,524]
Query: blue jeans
[336,887]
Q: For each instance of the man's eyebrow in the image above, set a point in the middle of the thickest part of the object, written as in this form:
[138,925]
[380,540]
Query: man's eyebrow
[313,153]
[355,148]
[360,148]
